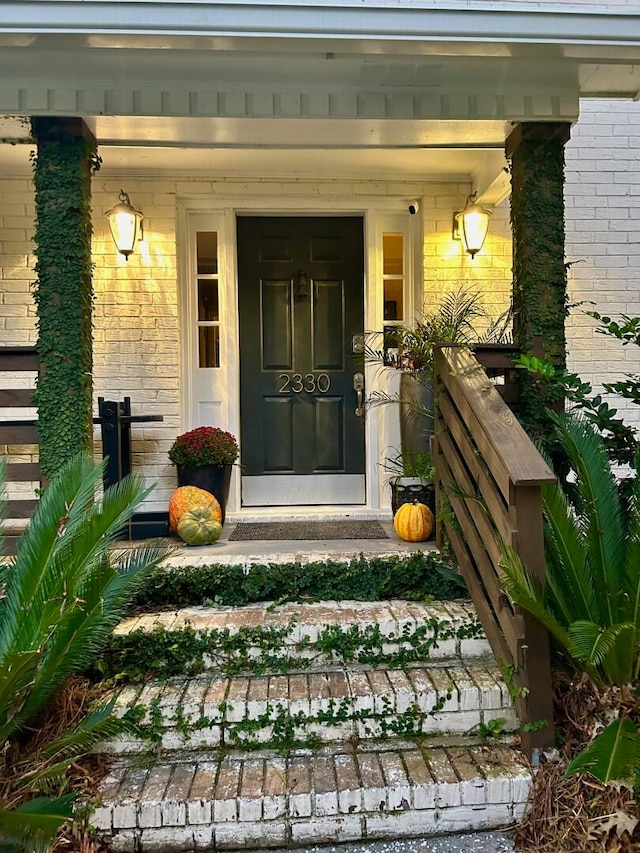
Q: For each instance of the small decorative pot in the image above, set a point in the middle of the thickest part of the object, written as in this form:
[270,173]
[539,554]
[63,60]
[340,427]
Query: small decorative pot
[215,479]
[405,490]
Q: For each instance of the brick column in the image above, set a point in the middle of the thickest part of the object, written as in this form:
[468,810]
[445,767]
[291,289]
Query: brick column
[63,292]
[536,152]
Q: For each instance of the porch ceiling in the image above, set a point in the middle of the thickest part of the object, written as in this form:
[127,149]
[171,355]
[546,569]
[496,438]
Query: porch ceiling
[403,89]
[478,166]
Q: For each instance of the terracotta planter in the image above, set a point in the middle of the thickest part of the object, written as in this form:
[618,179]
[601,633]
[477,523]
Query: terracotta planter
[212,478]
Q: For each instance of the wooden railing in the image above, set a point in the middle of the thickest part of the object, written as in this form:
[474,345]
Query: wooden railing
[498,361]
[490,475]
[19,435]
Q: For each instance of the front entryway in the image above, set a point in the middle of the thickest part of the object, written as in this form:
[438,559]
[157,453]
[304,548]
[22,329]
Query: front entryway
[301,299]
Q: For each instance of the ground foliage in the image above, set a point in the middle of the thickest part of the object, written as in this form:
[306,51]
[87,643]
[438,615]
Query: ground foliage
[578,813]
[418,577]
[161,653]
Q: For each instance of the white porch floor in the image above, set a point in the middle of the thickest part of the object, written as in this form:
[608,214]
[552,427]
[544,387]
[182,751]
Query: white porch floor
[289,551]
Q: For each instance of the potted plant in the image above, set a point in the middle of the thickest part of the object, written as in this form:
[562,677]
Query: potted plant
[412,479]
[412,350]
[204,457]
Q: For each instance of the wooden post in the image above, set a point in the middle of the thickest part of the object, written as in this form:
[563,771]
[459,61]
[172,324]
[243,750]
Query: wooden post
[536,704]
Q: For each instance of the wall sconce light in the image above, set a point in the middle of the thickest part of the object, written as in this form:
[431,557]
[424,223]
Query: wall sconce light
[471,225]
[125,223]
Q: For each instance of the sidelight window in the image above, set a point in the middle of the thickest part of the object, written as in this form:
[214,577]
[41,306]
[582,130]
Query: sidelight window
[207,299]
[394,290]
[393,276]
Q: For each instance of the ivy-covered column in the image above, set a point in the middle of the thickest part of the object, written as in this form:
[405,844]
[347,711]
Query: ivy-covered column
[536,152]
[65,159]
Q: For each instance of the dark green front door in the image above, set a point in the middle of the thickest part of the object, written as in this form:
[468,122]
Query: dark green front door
[301,296]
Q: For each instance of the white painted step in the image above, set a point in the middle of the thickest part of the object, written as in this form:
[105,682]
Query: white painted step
[451,629]
[263,799]
[213,710]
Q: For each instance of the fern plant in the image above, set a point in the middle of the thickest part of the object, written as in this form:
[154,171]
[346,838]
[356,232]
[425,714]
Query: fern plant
[61,597]
[591,601]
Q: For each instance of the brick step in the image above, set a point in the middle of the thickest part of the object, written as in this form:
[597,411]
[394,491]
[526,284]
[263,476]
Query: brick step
[230,800]
[319,707]
[303,635]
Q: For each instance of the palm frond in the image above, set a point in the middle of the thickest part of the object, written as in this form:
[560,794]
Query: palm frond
[598,508]
[53,758]
[613,756]
[34,824]
[499,330]
[525,590]
[453,322]
[76,596]
[150,554]
[31,584]
[610,649]
[632,565]
[83,532]
[17,674]
[83,627]
[570,584]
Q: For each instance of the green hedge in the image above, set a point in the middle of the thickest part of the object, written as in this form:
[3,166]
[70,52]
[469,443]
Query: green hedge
[418,576]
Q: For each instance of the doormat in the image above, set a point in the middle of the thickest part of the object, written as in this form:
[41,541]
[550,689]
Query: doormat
[314,530]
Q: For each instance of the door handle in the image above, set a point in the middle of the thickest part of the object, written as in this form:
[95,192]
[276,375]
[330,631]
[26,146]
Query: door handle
[358,387]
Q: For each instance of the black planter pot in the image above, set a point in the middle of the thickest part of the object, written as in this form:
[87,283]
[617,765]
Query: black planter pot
[212,478]
[410,491]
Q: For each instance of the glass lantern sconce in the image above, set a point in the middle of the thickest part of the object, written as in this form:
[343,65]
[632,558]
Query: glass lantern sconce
[471,225]
[125,223]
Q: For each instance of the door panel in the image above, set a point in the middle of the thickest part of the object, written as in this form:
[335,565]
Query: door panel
[328,325]
[277,326]
[301,304]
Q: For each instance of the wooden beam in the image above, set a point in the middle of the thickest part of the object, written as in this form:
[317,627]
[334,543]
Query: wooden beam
[21,508]
[16,433]
[23,472]
[16,397]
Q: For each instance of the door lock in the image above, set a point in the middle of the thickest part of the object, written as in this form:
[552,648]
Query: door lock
[358,387]
[357,344]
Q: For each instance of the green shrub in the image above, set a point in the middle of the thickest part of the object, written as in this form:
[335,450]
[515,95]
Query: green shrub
[417,577]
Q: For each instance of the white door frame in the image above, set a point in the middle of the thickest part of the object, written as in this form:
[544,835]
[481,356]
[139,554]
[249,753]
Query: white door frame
[378,214]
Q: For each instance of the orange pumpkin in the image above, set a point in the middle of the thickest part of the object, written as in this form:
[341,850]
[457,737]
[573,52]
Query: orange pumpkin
[189,497]
[413,522]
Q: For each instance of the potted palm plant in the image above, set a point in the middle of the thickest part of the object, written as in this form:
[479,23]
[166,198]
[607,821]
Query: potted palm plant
[412,350]
[204,457]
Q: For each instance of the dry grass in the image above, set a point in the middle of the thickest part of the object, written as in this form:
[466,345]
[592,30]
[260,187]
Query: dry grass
[66,709]
[579,814]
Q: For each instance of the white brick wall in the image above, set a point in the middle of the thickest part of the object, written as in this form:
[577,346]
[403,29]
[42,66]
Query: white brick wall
[17,312]
[136,333]
[446,264]
[603,236]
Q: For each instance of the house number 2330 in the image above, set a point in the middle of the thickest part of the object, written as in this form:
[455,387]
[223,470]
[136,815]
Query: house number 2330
[309,382]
